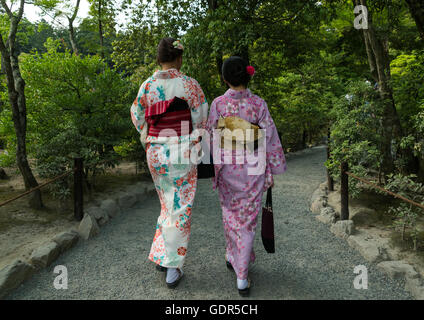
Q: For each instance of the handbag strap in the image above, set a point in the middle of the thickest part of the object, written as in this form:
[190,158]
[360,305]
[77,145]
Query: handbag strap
[268,203]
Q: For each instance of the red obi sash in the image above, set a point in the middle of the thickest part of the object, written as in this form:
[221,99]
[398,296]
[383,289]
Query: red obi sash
[169,118]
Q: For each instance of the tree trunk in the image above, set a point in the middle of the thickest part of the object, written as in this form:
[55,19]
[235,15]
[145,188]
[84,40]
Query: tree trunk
[3,175]
[379,62]
[304,136]
[416,7]
[21,117]
[16,91]
[102,54]
[72,38]
[71,28]
[213,4]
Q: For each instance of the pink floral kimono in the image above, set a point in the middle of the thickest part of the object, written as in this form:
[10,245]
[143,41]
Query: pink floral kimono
[168,158]
[241,192]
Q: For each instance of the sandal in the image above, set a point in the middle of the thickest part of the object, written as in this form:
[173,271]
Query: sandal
[229,265]
[172,285]
[160,268]
[245,292]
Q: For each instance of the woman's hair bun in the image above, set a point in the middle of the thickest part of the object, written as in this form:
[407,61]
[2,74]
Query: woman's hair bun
[167,52]
[235,71]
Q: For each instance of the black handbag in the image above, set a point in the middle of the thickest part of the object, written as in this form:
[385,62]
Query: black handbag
[267,230]
[205,170]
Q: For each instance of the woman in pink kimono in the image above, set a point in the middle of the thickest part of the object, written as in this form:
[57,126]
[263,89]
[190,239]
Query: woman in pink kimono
[168,108]
[240,186]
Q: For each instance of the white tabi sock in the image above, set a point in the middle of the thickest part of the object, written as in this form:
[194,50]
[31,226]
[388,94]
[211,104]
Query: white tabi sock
[172,274]
[242,284]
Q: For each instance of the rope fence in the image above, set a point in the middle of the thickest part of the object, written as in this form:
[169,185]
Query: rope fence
[78,172]
[344,189]
[37,188]
[384,190]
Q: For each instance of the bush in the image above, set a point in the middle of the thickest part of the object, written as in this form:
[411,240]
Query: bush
[406,214]
[78,107]
[356,133]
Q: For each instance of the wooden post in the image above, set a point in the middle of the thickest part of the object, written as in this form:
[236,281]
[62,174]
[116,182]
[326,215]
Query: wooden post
[78,189]
[344,192]
[330,181]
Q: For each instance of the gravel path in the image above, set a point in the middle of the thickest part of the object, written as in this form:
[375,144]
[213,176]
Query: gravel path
[310,262]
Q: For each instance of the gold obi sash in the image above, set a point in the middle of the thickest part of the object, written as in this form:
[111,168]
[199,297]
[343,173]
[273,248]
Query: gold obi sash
[237,133]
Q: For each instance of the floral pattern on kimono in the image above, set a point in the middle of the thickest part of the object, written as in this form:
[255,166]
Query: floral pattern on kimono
[168,159]
[240,193]
[165,85]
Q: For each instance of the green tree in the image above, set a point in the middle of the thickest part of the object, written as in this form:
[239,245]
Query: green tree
[103,15]
[16,90]
[79,108]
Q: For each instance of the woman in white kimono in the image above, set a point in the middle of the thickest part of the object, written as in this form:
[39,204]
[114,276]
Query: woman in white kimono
[169,106]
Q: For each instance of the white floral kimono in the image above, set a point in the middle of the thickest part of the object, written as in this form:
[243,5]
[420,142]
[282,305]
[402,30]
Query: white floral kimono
[173,173]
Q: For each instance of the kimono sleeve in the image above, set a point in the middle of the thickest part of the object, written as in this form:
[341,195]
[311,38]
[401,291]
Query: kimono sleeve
[137,115]
[275,159]
[199,109]
[213,140]
[211,126]
[213,118]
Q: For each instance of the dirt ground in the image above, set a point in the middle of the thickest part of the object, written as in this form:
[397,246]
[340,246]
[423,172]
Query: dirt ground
[370,213]
[22,229]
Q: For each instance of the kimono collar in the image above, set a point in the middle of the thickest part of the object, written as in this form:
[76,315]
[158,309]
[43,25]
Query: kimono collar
[233,94]
[167,74]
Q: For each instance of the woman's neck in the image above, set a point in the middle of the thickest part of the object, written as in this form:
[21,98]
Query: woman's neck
[167,66]
[238,88]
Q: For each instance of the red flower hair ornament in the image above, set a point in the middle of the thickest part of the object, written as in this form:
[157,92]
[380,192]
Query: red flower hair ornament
[250,70]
